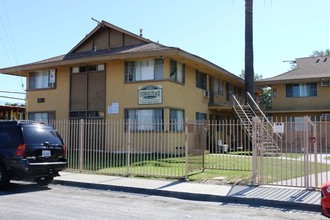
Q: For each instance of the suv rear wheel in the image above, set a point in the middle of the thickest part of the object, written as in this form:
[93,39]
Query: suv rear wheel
[44,181]
[4,178]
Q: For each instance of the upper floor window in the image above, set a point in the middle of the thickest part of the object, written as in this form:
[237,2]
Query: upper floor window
[218,86]
[89,68]
[201,80]
[177,71]
[43,79]
[151,69]
[229,92]
[301,90]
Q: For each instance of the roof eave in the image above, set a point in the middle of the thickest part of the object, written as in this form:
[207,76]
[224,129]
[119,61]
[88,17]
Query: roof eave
[33,66]
[285,81]
[209,64]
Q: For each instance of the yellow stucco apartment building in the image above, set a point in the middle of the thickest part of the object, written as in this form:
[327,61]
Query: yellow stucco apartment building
[115,74]
[303,91]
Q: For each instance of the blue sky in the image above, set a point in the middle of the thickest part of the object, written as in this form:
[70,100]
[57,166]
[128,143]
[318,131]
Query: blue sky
[213,29]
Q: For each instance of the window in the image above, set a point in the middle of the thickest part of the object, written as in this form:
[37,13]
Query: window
[301,90]
[201,116]
[177,71]
[176,120]
[325,117]
[201,80]
[86,114]
[42,79]
[145,119]
[151,69]
[218,88]
[41,116]
[89,68]
[229,92]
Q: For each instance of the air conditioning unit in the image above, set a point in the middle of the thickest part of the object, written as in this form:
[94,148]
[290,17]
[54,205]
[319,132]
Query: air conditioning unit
[325,117]
[325,83]
[206,93]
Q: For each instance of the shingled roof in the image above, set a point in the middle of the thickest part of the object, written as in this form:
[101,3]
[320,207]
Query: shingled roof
[135,46]
[308,69]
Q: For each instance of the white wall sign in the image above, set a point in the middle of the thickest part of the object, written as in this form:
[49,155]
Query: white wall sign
[278,127]
[113,108]
[52,75]
[149,95]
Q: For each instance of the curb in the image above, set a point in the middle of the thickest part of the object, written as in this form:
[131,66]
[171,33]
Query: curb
[253,202]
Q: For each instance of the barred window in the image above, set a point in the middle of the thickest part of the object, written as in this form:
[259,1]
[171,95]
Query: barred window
[145,119]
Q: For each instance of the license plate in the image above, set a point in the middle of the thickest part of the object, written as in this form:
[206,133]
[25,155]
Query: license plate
[46,153]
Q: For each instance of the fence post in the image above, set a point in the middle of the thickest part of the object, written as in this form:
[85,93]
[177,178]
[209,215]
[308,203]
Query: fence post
[81,144]
[254,151]
[186,150]
[315,154]
[129,147]
[306,156]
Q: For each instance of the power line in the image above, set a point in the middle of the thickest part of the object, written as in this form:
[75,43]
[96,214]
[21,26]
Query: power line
[24,93]
[8,97]
[11,43]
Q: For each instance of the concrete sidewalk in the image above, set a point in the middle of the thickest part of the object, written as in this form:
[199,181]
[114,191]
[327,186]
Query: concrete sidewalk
[280,197]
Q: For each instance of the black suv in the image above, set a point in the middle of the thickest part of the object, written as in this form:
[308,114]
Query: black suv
[30,151]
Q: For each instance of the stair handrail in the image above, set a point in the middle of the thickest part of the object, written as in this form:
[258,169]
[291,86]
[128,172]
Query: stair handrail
[263,115]
[240,106]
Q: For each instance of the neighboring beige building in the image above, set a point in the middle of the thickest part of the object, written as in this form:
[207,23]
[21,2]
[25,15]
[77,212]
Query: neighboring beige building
[303,91]
[115,74]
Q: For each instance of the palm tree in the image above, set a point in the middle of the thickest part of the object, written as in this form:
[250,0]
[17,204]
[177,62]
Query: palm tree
[249,72]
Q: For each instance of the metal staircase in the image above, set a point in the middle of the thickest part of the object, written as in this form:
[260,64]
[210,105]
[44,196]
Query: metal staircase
[265,138]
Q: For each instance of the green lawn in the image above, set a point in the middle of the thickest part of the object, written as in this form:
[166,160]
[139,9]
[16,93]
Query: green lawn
[221,168]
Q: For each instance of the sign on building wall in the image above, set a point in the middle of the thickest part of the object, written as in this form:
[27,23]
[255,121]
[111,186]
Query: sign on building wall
[149,95]
[278,127]
[113,108]
[52,75]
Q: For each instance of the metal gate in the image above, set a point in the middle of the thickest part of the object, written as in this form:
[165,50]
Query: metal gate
[303,150]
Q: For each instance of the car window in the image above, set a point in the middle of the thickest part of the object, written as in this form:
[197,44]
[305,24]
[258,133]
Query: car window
[4,138]
[40,134]
[10,136]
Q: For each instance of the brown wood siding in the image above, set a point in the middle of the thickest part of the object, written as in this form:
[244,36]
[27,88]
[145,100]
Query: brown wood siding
[129,40]
[116,39]
[101,39]
[107,38]
[78,95]
[96,91]
[86,46]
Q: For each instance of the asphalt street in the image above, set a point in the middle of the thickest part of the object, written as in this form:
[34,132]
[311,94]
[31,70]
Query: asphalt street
[29,201]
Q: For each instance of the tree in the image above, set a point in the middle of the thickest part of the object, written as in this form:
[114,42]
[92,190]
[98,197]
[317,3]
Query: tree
[249,72]
[320,53]
[257,76]
[14,104]
[266,98]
